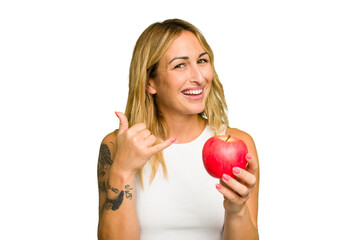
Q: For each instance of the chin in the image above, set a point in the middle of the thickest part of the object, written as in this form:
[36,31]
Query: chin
[197,110]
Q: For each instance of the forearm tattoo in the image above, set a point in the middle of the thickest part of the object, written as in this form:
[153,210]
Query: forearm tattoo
[114,204]
[104,164]
[128,194]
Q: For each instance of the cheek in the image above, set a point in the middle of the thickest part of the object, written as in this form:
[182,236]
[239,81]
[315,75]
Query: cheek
[208,74]
[176,81]
[170,83]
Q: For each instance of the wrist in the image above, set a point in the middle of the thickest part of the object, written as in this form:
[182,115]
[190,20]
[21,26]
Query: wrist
[241,213]
[118,171]
[119,179]
[119,183]
[121,176]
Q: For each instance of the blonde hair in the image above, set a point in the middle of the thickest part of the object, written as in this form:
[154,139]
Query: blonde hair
[141,105]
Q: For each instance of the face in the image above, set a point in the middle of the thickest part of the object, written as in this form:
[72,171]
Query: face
[183,77]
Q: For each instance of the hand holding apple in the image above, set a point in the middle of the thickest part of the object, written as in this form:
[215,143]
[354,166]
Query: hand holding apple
[221,153]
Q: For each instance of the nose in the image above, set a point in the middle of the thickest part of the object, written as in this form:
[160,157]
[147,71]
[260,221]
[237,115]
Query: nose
[196,74]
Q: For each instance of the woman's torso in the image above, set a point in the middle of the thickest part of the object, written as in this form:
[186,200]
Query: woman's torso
[186,204]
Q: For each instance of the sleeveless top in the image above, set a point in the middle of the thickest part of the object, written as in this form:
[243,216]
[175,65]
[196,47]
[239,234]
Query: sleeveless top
[186,204]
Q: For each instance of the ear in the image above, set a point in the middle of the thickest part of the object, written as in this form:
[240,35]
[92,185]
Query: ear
[151,88]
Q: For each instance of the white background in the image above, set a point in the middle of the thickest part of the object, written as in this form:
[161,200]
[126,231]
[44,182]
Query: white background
[290,70]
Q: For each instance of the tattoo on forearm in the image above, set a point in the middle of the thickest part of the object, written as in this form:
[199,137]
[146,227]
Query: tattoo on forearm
[128,194]
[115,190]
[102,186]
[114,204]
[104,163]
[104,160]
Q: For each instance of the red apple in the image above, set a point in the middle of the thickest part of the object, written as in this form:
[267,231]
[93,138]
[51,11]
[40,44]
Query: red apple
[221,153]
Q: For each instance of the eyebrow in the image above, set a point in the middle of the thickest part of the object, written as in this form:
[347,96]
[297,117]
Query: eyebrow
[186,58]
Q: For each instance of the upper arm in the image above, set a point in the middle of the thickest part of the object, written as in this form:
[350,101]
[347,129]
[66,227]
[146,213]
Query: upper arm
[252,203]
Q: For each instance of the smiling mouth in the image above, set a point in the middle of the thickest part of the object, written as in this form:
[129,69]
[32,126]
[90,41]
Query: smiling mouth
[193,92]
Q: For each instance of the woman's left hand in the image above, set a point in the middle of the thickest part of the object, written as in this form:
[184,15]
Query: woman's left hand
[237,191]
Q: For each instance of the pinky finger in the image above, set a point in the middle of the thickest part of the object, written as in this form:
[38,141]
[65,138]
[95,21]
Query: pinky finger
[227,193]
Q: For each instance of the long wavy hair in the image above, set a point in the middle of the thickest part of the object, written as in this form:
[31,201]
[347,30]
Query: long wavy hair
[141,105]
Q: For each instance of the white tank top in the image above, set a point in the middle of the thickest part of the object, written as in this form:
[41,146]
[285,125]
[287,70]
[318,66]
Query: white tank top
[186,205]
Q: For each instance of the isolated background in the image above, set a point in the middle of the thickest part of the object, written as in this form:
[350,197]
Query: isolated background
[290,70]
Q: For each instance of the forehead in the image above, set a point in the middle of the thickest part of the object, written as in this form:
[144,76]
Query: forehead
[186,44]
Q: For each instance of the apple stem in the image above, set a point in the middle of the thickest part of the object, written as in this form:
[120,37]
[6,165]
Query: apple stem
[228,138]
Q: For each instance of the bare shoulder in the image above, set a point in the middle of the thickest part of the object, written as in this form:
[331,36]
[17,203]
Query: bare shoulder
[108,143]
[110,138]
[240,134]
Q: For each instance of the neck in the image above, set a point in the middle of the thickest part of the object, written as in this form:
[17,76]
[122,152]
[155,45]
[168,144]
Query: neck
[185,128]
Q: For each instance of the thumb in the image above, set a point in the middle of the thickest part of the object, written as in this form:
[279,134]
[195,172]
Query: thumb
[124,124]
[252,164]
[161,146]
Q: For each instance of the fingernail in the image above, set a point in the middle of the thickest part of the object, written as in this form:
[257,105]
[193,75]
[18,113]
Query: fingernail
[117,114]
[173,139]
[226,177]
[218,186]
[249,156]
[236,170]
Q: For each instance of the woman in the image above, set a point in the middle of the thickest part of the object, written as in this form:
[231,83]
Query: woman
[152,183]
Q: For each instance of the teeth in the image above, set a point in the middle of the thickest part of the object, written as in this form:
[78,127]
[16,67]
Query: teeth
[193,92]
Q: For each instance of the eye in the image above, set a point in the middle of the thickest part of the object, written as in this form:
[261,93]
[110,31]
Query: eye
[203,60]
[181,65]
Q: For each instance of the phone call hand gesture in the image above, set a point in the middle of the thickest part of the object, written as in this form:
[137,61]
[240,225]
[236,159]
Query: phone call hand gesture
[135,146]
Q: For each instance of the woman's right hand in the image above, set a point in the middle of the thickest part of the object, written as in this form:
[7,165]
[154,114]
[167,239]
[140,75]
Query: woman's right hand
[134,147]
